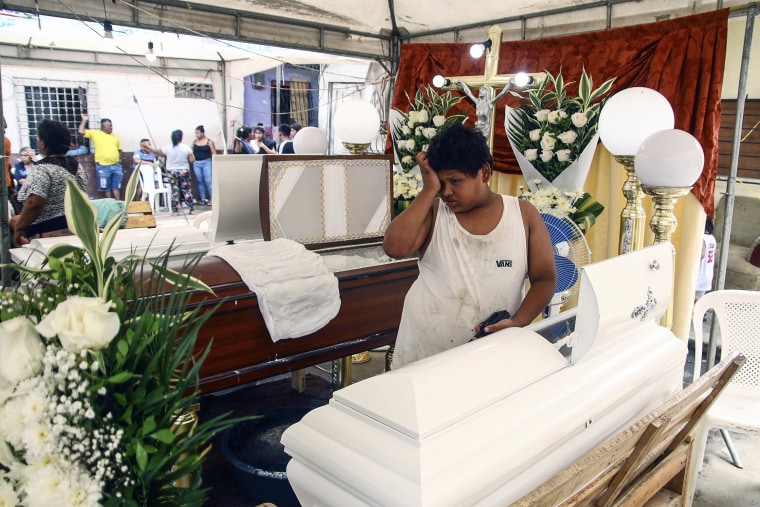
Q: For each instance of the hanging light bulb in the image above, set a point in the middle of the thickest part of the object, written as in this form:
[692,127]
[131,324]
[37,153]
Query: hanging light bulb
[150,55]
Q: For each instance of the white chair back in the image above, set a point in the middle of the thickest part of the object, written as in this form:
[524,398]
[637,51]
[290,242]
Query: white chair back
[738,316]
[152,185]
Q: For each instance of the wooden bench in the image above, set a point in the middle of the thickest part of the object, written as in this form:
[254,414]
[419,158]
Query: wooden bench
[647,464]
[139,215]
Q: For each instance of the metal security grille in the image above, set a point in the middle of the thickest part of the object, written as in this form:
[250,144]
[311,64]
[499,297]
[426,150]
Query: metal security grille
[183,90]
[64,101]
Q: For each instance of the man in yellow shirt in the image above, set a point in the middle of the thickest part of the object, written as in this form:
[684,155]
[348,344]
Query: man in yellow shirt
[107,156]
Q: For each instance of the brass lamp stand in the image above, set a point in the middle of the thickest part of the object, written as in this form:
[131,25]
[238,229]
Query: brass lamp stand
[356,148]
[632,217]
[664,223]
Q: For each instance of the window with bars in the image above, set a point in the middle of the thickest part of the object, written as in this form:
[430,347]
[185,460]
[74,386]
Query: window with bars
[184,90]
[54,100]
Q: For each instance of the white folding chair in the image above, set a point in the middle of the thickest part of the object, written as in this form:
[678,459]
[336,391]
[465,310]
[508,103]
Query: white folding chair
[738,407]
[153,186]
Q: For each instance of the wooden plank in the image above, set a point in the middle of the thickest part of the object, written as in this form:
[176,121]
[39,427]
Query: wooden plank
[134,222]
[139,214]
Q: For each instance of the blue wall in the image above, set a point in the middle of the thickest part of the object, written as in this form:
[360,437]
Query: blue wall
[259,105]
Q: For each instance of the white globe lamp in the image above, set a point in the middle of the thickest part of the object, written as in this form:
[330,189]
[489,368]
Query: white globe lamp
[669,158]
[356,124]
[310,141]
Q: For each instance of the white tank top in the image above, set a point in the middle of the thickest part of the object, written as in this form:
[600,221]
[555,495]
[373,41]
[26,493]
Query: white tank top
[463,278]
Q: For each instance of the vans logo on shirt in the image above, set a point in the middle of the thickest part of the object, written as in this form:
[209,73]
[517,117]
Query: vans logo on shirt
[504,263]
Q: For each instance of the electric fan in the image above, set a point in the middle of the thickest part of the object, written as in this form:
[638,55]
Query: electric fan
[571,251]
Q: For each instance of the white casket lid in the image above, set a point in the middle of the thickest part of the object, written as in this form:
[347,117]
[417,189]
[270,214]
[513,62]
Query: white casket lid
[408,399]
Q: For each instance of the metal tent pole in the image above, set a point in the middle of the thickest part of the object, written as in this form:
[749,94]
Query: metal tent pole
[731,182]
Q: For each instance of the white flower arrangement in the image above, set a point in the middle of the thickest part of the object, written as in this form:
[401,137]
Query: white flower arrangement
[552,130]
[428,114]
[406,186]
[93,375]
[576,204]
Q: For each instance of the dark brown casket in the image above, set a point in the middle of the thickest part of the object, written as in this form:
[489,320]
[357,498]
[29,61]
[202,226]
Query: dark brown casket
[372,296]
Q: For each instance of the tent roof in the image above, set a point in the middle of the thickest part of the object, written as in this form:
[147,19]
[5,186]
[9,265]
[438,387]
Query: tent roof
[367,28]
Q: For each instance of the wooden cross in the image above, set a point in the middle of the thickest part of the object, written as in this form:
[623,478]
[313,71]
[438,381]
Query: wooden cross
[488,84]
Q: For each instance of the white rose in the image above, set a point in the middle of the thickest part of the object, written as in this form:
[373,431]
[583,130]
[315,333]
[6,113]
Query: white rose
[579,119]
[555,116]
[422,116]
[548,141]
[81,323]
[563,155]
[568,137]
[429,132]
[546,155]
[407,160]
[531,155]
[439,120]
[21,351]
[410,145]
[412,118]
[542,115]
[406,130]
[418,130]
[535,135]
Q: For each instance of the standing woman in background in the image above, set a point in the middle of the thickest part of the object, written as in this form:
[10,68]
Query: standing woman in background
[203,150]
[178,159]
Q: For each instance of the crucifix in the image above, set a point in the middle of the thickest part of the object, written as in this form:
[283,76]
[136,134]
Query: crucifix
[489,83]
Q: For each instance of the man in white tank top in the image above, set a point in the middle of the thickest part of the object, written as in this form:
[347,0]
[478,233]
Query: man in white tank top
[475,246]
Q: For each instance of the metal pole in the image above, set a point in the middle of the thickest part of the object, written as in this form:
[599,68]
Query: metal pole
[731,182]
[5,238]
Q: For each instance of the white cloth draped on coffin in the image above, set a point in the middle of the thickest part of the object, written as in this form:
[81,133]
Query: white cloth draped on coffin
[296,292]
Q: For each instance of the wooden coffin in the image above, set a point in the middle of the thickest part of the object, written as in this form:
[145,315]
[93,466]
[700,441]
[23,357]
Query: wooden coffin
[372,297]
[243,351]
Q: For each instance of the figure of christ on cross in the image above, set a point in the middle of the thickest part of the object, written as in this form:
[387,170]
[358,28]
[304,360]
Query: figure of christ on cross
[489,83]
[484,105]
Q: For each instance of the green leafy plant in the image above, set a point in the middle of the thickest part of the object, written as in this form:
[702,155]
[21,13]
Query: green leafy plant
[97,359]
[551,129]
[428,114]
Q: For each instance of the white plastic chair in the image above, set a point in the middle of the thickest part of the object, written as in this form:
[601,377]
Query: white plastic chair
[152,187]
[738,407]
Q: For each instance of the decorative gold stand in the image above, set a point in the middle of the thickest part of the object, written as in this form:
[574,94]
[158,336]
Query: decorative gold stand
[186,422]
[361,357]
[664,223]
[356,148]
[632,217]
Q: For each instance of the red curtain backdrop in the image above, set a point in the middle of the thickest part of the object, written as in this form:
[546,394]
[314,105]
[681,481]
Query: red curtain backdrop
[683,59]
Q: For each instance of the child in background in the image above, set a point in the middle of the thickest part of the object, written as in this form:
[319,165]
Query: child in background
[707,262]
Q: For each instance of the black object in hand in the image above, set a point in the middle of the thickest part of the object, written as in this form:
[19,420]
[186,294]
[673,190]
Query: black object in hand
[492,319]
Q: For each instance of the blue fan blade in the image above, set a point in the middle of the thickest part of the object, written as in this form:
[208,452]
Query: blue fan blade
[567,273]
[559,229]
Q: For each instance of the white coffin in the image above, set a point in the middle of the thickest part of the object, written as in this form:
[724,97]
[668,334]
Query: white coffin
[184,241]
[489,421]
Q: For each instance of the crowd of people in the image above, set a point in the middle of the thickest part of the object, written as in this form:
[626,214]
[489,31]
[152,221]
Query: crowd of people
[36,183]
